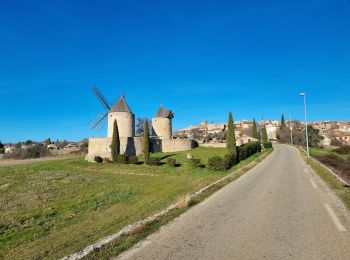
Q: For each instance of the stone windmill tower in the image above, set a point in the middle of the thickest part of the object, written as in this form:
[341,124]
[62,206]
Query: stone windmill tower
[162,123]
[121,112]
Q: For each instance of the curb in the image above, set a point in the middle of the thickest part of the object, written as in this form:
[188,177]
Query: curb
[131,227]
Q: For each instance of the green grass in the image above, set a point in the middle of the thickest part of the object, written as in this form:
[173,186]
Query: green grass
[54,208]
[317,151]
[341,190]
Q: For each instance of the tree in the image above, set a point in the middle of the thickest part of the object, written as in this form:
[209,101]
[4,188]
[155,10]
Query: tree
[283,122]
[115,145]
[48,141]
[140,125]
[255,130]
[146,149]
[231,139]
[1,145]
[283,136]
[264,136]
[314,136]
[28,142]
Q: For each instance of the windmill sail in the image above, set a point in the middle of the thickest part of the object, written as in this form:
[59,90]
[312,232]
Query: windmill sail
[101,98]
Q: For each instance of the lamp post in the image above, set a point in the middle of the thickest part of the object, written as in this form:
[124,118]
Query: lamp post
[291,129]
[307,137]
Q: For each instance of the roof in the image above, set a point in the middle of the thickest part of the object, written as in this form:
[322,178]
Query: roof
[162,112]
[121,106]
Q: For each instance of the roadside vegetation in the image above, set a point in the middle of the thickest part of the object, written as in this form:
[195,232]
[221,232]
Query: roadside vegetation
[337,159]
[342,190]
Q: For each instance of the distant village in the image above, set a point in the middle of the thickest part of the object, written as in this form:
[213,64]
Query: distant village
[212,134]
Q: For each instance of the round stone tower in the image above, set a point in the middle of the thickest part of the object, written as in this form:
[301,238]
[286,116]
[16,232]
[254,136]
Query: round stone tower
[161,123]
[121,112]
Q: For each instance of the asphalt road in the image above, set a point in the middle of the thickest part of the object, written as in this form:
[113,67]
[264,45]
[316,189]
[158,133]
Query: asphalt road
[278,210]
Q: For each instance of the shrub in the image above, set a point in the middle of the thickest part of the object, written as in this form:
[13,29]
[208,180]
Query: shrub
[98,159]
[2,150]
[229,160]
[216,163]
[121,158]
[267,145]
[171,162]
[107,160]
[345,149]
[133,159]
[242,152]
[34,151]
[153,161]
[194,163]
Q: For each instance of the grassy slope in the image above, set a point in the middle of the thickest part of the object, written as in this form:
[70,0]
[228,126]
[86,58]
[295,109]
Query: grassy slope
[54,208]
[342,190]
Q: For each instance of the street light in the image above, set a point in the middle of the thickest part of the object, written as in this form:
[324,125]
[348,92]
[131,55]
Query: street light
[291,129]
[307,137]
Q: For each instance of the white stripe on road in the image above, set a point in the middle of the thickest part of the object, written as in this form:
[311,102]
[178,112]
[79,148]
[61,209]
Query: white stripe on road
[313,184]
[334,218]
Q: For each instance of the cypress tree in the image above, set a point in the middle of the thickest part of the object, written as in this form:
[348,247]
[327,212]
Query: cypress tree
[115,145]
[255,130]
[264,136]
[231,139]
[283,122]
[146,142]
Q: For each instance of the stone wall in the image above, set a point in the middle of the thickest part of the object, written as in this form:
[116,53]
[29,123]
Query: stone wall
[101,147]
[177,145]
[134,146]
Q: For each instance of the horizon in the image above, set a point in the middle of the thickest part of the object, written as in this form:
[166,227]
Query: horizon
[199,59]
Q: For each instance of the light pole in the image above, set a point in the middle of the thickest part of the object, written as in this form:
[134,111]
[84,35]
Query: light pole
[291,129]
[307,137]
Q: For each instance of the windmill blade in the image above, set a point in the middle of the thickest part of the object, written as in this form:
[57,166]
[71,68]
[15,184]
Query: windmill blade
[101,98]
[96,118]
[102,124]
[99,119]
[114,101]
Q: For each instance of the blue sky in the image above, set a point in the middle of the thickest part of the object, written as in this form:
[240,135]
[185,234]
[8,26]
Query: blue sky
[199,58]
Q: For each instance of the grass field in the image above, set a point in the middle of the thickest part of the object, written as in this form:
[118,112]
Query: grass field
[55,208]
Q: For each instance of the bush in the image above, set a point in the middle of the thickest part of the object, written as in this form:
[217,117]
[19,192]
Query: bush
[133,159]
[121,158]
[107,160]
[216,163]
[2,150]
[248,149]
[229,160]
[194,163]
[154,161]
[267,145]
[171,162]
[35,151]
[242,152]
[345,149]
[98,159]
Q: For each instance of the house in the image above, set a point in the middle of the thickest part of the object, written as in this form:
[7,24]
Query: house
[51,147]
[342,137]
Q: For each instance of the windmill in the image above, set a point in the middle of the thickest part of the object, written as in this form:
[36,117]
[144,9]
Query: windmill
[100,119]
